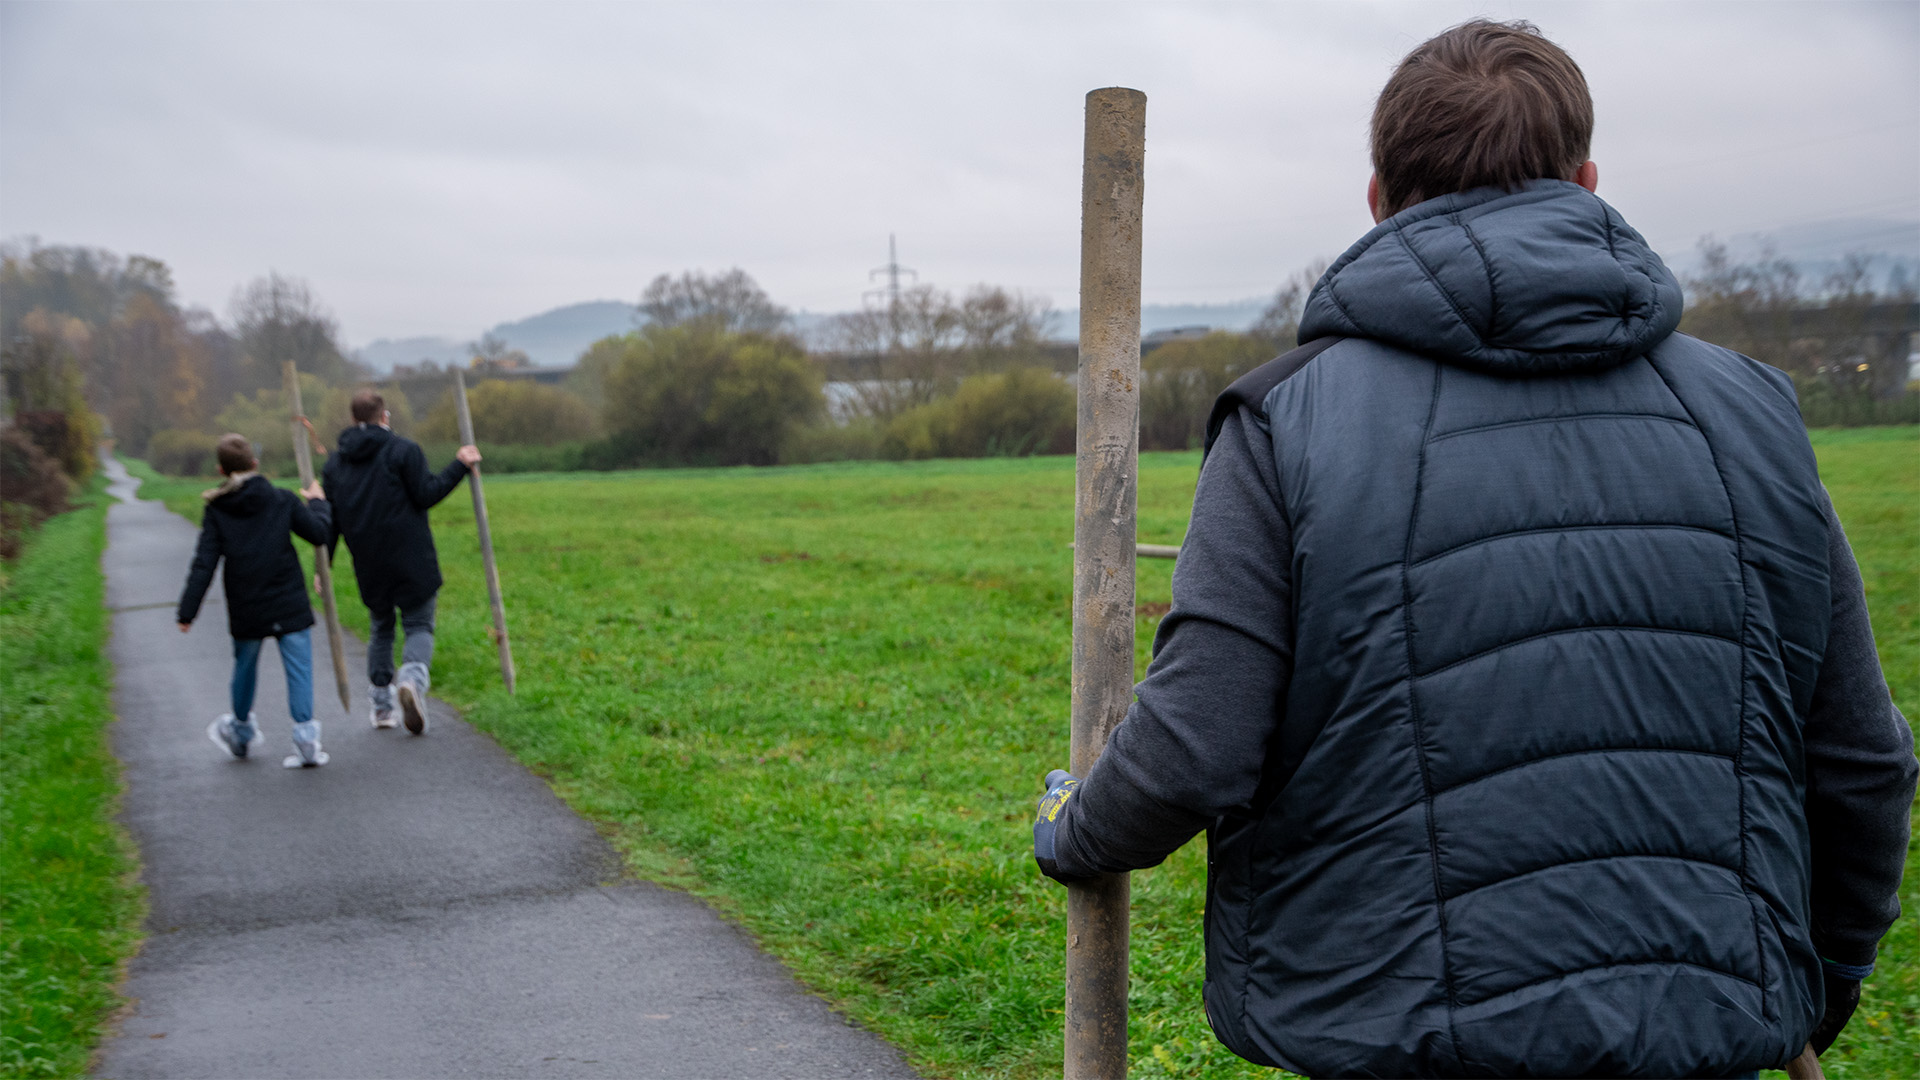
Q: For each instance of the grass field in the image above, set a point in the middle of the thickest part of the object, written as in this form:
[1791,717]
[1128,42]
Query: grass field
[823,697]
[69,909]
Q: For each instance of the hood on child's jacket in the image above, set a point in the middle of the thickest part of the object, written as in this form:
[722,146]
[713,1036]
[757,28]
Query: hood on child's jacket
[242,494]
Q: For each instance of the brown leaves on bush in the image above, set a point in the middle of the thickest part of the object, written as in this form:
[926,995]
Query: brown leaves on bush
[32,488]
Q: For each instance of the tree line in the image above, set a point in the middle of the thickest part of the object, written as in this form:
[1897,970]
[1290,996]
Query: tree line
[715,374]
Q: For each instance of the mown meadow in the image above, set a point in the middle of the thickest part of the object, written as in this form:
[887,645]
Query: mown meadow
[822,697]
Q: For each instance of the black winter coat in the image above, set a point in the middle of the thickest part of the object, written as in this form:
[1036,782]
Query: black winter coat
[1502,676]
[381,491]
[266,589]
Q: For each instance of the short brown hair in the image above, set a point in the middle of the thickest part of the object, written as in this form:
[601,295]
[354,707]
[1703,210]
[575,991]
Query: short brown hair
[1484,104]
[234,453]
[367,405]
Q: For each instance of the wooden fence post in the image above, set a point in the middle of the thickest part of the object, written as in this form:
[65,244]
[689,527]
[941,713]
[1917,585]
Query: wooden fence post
[1106,472]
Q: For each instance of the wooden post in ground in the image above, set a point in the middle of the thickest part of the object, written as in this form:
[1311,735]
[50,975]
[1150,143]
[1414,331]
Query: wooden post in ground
[322,564]
[1106,490]
[486,534]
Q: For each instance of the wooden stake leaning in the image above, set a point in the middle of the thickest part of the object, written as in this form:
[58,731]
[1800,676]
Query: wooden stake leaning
[322,564]
[1105,527]
[486,534]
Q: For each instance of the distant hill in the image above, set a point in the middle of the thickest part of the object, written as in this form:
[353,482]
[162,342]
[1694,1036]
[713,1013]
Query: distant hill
[386,353]
[550,339]
[557,338]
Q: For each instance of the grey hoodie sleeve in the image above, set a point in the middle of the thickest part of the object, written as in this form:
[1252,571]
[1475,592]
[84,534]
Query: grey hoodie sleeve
[1860,777]
[1192,746]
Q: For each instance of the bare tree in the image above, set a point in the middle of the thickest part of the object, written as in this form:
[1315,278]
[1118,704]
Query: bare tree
[919,347]
[1279,324]
[492,352]
[732,302]
[277,319]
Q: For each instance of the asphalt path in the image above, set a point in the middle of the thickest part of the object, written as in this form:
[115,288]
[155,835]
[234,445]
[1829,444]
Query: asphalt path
[418,907]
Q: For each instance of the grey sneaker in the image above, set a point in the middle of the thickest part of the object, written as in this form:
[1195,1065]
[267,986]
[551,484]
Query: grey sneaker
[413,706]
[306,747]
[384,718]
[223,736]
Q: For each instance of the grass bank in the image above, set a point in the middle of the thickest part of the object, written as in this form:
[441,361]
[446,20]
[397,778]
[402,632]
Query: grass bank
[1874,475]
[69,907]
[823,697]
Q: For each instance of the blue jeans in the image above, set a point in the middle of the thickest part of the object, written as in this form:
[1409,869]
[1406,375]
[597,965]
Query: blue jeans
[296,655]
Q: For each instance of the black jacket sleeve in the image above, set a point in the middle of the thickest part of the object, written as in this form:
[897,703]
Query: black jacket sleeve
[425,488]
[1193,745]
[1860,777]
[206,557]
[333,523]
[312,521]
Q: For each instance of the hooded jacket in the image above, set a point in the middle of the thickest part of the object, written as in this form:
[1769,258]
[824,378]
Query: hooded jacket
[1497,672]
[247,522]
[381,491]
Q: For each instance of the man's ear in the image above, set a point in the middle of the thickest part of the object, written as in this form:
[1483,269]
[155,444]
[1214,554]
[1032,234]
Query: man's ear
[1373,197]
[1587,175]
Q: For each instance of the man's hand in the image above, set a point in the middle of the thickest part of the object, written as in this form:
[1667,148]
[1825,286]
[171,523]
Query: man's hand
[1061,785]
[1843,996]
[468,456]
[184,627]
[313,491]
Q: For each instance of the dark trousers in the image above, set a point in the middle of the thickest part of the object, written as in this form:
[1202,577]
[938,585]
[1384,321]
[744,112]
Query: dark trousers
[416,649]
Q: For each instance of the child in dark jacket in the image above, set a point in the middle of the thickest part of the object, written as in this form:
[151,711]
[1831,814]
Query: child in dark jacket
[247,522]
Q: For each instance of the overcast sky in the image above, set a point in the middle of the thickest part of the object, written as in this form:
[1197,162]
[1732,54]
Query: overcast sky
[436,169]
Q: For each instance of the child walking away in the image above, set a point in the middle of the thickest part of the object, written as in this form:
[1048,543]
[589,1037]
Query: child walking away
[247,522]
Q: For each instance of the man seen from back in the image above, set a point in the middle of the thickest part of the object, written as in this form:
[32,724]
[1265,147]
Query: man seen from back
[1518,668]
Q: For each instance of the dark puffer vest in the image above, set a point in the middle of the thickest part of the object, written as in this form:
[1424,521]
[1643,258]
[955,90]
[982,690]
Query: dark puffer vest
[1561,599]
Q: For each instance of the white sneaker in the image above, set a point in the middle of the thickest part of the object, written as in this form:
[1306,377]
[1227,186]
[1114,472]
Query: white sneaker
[223,736]
[306,751]
[413,706]
[383,718]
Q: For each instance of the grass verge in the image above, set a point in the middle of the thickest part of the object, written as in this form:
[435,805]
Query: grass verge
[1874,476]
[70,909]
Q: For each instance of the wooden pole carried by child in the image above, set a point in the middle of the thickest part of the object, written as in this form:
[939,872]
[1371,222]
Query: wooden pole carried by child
[323,570]
[486,534]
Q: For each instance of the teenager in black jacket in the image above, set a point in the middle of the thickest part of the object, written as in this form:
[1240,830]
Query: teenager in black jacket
[247,522]
[381,491]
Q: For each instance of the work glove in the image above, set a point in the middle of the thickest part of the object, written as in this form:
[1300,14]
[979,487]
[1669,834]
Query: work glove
[1061,785]
[1843,996]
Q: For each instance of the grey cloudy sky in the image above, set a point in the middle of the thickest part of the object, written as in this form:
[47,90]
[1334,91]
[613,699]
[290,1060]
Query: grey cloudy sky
[435,169]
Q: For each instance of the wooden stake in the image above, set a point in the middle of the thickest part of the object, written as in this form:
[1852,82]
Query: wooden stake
[322,564]
[486,534]
[1105,526]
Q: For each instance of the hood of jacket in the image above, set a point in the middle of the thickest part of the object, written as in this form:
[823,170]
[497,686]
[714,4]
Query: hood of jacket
[1545,280]
[242,494]
[361,441]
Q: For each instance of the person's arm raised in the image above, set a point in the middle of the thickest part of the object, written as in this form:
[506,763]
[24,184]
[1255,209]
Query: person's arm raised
[425,488]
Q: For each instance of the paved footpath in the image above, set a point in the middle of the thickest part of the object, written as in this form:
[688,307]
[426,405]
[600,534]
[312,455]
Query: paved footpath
[419,907]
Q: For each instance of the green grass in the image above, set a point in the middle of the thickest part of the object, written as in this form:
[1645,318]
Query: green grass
[1874,475]
[69,908]
[823,697]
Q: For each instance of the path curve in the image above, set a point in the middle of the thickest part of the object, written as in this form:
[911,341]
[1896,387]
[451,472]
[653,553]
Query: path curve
[419,907]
